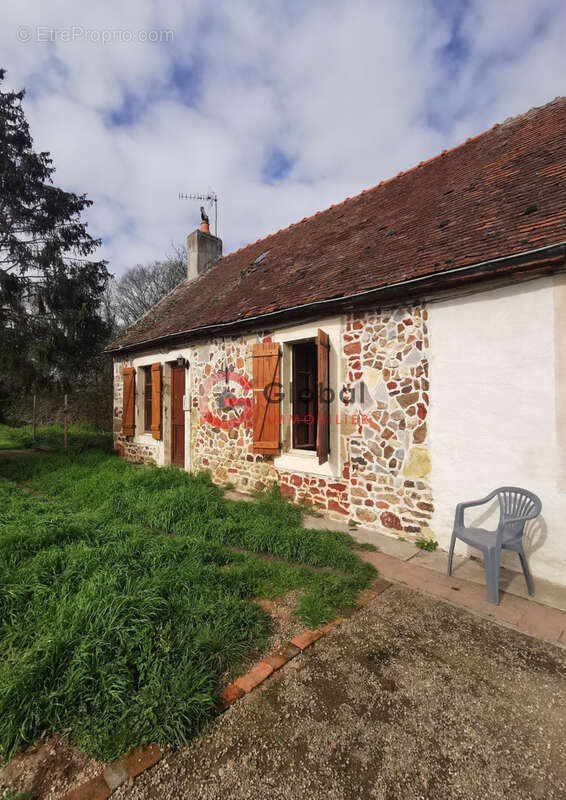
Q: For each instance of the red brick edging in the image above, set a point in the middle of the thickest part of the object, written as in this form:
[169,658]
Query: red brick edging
[115,774]
[274,661]
[142,758]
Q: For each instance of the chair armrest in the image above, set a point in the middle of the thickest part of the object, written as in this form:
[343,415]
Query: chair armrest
[460,508]
[522,518]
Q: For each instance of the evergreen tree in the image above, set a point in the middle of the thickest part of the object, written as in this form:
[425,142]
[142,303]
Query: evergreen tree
[50,290]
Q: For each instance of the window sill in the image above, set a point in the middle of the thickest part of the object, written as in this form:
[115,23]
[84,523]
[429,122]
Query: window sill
[304,461]
[144,438]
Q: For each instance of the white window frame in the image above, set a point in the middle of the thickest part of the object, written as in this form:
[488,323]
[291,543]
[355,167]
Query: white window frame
[298,460]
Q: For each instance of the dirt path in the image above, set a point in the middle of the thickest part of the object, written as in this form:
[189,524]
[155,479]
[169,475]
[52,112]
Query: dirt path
[410,698]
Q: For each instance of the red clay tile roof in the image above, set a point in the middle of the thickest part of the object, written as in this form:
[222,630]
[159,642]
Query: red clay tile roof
[500,193]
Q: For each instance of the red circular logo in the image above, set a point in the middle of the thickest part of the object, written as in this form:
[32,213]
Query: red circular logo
[226,400]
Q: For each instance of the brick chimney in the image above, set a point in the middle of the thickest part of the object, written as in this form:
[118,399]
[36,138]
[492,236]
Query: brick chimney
[203,250]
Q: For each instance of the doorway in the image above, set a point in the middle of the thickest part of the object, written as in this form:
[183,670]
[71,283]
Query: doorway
[177,416]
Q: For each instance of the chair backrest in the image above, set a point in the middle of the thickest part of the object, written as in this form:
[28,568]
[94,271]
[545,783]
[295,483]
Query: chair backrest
[518,505]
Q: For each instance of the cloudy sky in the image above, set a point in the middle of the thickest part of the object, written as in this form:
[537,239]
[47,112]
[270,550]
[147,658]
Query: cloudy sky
[282,107]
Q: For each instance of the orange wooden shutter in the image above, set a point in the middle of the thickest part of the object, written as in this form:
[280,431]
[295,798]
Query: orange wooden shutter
[323,434]
[156,401]
[266,414]
[128,398]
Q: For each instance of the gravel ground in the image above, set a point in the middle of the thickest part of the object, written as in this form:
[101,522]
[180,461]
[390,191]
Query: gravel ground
[409,698]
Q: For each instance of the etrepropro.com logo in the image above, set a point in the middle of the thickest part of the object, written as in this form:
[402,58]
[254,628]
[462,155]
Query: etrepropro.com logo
[28,34]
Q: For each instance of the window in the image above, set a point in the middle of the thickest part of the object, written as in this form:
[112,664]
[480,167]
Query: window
[305,396]
[147,398]
[306,366]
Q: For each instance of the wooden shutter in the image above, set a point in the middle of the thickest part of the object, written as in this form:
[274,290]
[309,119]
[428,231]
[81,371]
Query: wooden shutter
[128,401]
[156,401]
[323,433]
[266,414]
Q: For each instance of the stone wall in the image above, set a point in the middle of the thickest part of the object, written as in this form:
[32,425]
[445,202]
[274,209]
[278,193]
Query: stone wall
[384,459]
[227,452]
[389,463]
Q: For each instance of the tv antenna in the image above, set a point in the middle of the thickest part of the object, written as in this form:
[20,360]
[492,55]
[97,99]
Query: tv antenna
[211,199]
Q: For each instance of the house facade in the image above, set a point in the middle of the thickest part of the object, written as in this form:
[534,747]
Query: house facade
[384,359]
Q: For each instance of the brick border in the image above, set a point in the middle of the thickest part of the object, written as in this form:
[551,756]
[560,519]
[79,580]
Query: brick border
[278,658]
[116,773]
[143,758]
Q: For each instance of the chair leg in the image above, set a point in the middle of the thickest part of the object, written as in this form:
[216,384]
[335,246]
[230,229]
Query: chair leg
[451,553]
[492,576]
[526,571]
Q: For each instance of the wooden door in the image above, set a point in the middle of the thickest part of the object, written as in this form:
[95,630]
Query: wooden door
[177,416]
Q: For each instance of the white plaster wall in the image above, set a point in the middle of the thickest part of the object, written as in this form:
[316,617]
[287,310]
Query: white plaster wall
[492,417]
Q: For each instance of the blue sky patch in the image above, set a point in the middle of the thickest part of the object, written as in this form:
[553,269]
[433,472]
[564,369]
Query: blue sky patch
[276,166]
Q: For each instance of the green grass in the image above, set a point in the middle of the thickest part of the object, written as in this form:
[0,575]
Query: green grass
[118,630]
[14,795]
[80,437]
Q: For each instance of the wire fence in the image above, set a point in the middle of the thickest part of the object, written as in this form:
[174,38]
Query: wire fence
[58,422]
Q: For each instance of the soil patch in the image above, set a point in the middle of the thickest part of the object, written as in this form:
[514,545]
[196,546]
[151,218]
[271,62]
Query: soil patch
[48,769]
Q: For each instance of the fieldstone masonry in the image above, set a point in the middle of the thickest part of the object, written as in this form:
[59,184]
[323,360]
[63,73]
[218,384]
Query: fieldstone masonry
[389,460]
[226,452]
[384,461]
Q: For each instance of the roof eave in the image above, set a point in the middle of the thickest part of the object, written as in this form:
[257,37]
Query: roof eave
[543,259]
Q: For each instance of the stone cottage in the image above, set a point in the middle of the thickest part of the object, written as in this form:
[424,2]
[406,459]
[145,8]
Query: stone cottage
[383,359]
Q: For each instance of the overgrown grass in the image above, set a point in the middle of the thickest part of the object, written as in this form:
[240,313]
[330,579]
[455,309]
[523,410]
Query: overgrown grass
[81,437]
[115,628]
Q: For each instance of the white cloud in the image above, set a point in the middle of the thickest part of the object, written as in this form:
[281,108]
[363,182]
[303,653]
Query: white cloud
[350,93]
